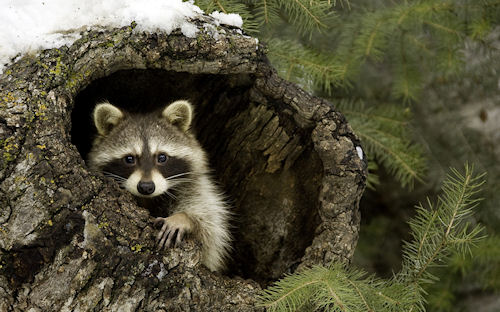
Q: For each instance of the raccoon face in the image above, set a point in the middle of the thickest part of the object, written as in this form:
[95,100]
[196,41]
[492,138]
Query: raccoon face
[149,155]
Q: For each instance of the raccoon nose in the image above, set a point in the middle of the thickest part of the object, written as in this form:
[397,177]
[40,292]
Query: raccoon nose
[146,188]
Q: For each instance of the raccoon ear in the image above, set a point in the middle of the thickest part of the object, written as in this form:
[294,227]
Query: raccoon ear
[106,116]
[179,113]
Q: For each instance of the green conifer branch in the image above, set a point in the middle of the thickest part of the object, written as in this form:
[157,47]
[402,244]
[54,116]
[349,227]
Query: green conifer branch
[436,232]
[483,268]
[373,32]
[415,28]
[307,67]
[307,12]
[401,164]
[372,38]
[294,291]
[219,5]
[266,12]
[442,27]
[408,80]
[373,179]
[307,16]
[361,296]
[385,137]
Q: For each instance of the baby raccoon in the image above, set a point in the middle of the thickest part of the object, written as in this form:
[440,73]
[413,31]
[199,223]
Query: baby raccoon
[156,158]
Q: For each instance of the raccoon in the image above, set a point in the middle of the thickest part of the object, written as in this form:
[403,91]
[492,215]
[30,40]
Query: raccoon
[156,158]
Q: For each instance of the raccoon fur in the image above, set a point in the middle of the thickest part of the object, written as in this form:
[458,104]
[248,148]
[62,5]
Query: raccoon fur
[156,158]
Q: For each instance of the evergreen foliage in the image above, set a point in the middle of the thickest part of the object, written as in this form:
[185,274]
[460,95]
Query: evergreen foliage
[384,132]
[480,272]
[373,59]
[438,231]
[334,47]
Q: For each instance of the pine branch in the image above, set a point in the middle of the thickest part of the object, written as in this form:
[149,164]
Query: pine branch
[376,31]
[385,137]
[291,292]
[482,267]
[267,12]
[398,36]
[442,228]
[373,180]
[371,38]
[331,289]
[361,296]
[336,288]
[408,79]
[435,233]
[307,16]
[309,69]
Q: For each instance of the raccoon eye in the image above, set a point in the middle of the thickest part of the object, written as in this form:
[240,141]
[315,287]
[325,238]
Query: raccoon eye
[162,158]
[129,159]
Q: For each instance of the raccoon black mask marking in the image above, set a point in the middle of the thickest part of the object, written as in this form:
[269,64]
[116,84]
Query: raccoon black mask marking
[155,155]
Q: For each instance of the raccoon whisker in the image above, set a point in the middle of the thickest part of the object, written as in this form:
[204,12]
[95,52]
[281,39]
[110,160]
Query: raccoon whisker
[114,176]
[117,179]
[173,188]
[180,180]
[178,186]
[178,175]
[168,194]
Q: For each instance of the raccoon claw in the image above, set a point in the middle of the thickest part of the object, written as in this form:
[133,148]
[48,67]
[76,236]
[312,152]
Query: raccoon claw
[173,230]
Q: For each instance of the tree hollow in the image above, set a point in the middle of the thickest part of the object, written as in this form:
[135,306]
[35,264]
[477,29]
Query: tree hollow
[293,170]
[265,163]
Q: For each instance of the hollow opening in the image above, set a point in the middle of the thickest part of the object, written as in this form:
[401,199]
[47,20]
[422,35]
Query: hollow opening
[273,189]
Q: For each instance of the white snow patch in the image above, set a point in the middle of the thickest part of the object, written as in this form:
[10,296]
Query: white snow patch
[211,30]
[189,30]
[230,19]
[360,152]
[31,25]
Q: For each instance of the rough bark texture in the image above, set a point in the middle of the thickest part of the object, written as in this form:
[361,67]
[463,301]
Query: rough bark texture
[73,241]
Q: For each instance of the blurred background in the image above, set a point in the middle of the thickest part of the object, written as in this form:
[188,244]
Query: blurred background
[419,82]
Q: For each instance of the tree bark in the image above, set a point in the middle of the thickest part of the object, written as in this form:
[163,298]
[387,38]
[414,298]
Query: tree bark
[71,240]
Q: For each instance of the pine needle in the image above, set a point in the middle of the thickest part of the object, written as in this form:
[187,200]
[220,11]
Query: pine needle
[385,137]
[309,69]
[436,231]
[442,227]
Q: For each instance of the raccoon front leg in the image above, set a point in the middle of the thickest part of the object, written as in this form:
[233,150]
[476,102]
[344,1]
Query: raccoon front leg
[173,229]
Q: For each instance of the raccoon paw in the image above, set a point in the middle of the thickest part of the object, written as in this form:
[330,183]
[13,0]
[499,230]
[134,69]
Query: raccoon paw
[173,230]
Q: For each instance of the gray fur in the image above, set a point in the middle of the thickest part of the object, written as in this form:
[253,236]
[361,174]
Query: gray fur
[198,207]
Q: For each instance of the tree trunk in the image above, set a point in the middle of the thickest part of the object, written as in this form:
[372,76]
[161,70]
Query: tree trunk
[71,240]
